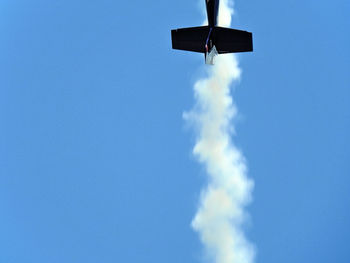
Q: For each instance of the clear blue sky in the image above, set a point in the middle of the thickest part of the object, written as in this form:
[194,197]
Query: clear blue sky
[95,158]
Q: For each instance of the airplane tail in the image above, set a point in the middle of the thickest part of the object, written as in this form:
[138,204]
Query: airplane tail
[226,40]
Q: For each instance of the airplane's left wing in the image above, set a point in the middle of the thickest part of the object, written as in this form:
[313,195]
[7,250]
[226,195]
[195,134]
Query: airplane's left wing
[190,39]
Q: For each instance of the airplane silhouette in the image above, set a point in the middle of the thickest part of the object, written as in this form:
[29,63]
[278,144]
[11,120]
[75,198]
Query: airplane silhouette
[212,39]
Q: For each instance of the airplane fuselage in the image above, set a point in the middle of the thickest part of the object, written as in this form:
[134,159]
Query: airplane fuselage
[212,12]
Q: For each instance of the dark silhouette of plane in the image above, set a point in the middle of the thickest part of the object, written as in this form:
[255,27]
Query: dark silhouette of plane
[212,39]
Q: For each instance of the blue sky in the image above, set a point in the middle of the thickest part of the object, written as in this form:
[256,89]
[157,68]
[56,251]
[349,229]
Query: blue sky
[95,158]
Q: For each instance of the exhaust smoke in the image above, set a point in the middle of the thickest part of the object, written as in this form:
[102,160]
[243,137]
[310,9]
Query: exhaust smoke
[221,215]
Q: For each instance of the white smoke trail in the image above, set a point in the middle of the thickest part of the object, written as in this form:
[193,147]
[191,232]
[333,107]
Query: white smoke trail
[221,212]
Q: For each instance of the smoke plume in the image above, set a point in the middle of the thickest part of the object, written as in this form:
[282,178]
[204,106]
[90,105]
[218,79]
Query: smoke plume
[221,214]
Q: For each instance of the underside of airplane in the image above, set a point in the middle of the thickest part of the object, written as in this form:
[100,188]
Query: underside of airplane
[212,39]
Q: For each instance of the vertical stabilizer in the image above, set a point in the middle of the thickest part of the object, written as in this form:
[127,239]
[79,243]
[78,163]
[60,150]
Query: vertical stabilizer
[210,56]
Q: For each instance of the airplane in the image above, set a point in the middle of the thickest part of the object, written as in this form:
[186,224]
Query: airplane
[212,39]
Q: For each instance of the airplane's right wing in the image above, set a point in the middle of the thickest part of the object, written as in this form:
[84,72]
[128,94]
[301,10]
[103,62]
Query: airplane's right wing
[229,40]
[190,39]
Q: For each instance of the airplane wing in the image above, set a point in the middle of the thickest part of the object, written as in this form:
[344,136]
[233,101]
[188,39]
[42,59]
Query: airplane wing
[229,40]
[190,39]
